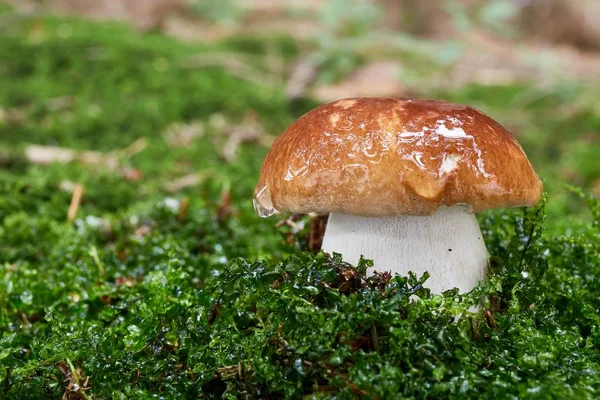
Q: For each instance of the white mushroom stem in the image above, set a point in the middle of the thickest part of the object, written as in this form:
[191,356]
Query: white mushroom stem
[447,244]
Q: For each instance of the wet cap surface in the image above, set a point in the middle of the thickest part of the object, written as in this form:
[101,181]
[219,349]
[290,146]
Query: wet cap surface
[387,156]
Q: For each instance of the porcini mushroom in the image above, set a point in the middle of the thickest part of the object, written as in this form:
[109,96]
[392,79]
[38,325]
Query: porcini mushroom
[401,181]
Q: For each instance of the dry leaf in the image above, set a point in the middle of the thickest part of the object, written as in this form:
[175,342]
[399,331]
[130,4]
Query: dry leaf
[44,155]
[183,134]
[77,383]
[249,131]
[303,74]
[186,181]
[75,202]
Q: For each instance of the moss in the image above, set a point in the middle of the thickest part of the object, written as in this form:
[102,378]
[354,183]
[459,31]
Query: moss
[131,300]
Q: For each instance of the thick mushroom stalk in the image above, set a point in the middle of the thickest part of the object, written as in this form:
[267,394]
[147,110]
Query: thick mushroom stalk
[447,244]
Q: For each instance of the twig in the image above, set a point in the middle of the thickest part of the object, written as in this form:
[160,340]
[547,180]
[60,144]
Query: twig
[317,232]
[529,238]
[183,134]
[249,131]
[290,221]
[302,75]
[183,208]
[136,147]
[96,257]
[188,181]
[75,202]
[44,155]
[491,320]
[375,338]
[224,209]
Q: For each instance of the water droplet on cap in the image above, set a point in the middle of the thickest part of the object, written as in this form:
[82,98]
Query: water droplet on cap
[262,203]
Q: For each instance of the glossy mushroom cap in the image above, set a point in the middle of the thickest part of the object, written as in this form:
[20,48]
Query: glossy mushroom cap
[386,156]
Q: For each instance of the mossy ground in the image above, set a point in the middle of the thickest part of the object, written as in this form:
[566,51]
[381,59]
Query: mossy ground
[134,300]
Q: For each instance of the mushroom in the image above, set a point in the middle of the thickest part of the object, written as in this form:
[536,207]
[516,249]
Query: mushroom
[401,181]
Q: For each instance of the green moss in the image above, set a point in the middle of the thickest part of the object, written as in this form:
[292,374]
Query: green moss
[221,304]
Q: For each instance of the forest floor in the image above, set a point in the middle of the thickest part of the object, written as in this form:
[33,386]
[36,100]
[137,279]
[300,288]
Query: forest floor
[132,263]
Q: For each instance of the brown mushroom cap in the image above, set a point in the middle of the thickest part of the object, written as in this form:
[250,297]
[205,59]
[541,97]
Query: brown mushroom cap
[386,156]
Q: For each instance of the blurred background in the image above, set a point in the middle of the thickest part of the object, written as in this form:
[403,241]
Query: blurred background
[390,43]
[98,75]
